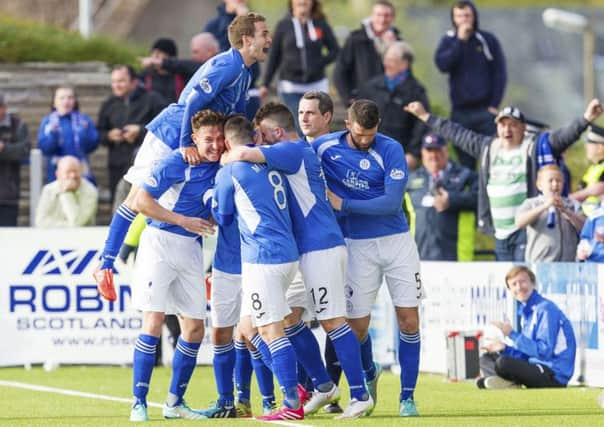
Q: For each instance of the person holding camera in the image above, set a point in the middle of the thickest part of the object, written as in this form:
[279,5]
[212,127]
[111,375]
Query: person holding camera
[122,120]
[443,196]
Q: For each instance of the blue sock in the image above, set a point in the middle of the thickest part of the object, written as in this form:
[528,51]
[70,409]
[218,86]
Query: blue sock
[224,365]
[122,218]
[347,347]
[183,364]
[261,346]
[367,358]
[264,377]
[243,371]
[303,378]
[309,354]
[408,358]
[142,365]
[332,364]
[284,367]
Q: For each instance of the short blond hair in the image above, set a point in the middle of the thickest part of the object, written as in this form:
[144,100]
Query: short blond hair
[516,270]
[243,26]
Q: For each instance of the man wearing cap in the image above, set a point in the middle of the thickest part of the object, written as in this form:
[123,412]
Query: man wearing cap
[14,148]
[443,195]
[169,85]
[508,168]
[592,183]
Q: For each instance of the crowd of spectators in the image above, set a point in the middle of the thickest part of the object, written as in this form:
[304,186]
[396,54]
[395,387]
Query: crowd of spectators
[519,194]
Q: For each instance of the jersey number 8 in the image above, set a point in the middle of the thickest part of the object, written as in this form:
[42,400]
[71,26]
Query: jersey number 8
[276,181]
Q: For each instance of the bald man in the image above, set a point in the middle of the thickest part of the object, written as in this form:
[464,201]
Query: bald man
[70,201]
[203,47]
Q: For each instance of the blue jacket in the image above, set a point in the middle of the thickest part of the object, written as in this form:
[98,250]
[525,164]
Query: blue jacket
[476,68]
[547,338]
[73,134]
[595,219]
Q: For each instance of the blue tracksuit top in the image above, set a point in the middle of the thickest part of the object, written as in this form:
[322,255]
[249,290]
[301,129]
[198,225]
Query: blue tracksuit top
[546,339]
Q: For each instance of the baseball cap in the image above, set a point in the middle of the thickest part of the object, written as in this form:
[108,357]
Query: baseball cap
[511,112]
[432,140]
[595,135]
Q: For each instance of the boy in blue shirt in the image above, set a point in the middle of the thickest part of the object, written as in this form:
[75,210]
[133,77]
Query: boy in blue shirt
[169,265]
[366,174]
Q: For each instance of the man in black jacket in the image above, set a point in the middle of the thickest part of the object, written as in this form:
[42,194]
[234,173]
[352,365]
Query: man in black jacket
[14,148]
[361,57]
[391,91]
[122,120]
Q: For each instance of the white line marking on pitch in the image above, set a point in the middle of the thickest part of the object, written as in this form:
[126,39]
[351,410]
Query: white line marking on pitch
[76,393]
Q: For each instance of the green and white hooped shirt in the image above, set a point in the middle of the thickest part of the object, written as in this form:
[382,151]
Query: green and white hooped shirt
[507,186]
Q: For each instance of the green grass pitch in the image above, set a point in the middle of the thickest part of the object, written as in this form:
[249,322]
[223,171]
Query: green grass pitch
[440,403]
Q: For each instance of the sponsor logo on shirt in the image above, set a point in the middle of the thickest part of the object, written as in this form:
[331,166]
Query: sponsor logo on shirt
[352,180]
[335,157]
[397,174]
[364,164]
[205,85]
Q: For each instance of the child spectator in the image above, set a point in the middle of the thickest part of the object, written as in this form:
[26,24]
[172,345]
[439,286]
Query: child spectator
[552,222]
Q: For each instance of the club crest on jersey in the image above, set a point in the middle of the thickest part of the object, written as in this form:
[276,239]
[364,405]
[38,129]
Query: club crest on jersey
[151,182]
[397,174]
[364,164]
[205,85]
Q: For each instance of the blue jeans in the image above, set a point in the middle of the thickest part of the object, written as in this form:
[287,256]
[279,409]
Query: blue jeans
[479,120]
[292,100]
[512,248]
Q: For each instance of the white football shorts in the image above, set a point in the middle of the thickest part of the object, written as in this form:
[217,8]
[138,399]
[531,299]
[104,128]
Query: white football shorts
[324,274]
[370,261]
[169,275]
[225,298]
[264,287]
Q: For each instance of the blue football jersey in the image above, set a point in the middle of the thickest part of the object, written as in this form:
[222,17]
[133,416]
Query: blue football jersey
[256,197]
[315,225]
[220,84]
[372,184]
[181,188]
[227,257]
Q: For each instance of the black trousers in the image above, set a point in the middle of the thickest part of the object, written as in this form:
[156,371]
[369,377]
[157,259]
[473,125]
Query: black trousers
[518,371]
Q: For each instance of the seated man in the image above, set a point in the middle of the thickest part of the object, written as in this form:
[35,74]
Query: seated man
[70,201]
[542,354]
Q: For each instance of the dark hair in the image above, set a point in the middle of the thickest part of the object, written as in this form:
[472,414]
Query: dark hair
[325,102]
[365,113]
[385,3]
[166,46]
[460,4]
[517,270]
[131,73]
[207,118]
[76,105]
[316,11]
[239,129]
[277,112]
[243,25]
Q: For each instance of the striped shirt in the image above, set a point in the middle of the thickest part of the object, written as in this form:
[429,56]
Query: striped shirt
[507,188]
